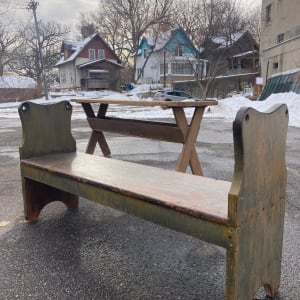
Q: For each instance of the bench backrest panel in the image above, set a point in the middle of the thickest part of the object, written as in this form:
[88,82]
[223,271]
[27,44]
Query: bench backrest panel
[46,129]
[260,170]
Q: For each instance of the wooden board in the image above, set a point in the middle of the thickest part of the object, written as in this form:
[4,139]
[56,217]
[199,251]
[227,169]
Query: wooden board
[201,197]
[163,104]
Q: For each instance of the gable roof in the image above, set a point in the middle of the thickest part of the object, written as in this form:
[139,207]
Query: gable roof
[90,63]
[240,44]
[162,40]
[77,47]
[224,41]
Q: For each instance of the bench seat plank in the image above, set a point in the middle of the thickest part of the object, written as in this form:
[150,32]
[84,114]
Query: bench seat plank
[202,197]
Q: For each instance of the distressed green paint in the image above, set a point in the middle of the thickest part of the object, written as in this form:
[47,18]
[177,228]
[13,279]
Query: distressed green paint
[46,128]
[253,232]
[257,201]
[211,232]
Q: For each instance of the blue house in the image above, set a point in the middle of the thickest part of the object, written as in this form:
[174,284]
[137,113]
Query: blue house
[170,56]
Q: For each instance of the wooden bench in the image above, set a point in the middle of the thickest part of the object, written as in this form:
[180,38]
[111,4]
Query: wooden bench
[246,217]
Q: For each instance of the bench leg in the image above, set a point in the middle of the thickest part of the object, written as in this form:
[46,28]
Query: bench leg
[37,195]
[247,269]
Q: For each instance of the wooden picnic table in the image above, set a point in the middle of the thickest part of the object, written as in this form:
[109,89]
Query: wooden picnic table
[182,131]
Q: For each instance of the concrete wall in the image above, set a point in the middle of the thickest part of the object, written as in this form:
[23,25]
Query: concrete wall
[280,37]
[220,87]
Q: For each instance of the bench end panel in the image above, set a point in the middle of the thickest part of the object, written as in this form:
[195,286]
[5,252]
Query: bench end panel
[256,203]
[46,128]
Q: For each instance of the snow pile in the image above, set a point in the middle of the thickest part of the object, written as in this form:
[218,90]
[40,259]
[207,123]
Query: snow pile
[226,110]
[16,82]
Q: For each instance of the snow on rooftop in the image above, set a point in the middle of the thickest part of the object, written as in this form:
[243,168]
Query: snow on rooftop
[160,40]
[76,47]
[245,53]
[225,41]
[16,82]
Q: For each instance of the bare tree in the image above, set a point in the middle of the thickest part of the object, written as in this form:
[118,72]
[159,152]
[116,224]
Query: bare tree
[253,21]
[9,39]
[210,23]
[86,25]
[26,61]
[122,23]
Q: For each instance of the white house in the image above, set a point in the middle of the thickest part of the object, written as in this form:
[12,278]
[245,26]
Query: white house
[168,57]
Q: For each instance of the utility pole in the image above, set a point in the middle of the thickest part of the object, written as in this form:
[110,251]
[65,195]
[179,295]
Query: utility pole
[33,6]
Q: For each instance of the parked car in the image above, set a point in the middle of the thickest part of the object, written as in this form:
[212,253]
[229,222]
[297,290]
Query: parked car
[175,95]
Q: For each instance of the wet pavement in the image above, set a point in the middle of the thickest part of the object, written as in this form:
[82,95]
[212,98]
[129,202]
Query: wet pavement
[99,253]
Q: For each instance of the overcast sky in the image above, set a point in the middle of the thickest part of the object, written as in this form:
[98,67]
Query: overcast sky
[68,11]
[61,11]
[64,11]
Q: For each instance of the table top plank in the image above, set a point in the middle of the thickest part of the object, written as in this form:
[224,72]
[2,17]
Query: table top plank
[163,104]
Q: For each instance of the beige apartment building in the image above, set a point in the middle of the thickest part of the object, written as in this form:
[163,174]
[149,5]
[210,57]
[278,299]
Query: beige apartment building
[280,37]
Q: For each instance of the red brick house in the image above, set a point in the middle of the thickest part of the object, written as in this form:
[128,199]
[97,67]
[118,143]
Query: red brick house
[89,64]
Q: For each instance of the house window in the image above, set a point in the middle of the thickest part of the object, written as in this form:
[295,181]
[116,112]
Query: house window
[71,75]
[161,69]
[91,54]
[268,13]
[182,68]
[275,65]
[200,70]
[63,78]
[280,38]
[178,51]
[101,54]
[140,72]
[295,31]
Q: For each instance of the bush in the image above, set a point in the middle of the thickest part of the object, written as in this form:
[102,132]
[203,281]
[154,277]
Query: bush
[20,94]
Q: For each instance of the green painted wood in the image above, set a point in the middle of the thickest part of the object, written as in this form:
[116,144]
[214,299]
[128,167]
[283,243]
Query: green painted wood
[46,128]
[182,192]
[152,205]
[246,216]
[257,201]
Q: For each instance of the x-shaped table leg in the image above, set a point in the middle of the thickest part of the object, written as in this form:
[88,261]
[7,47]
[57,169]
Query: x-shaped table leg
[190,132]
[96,136]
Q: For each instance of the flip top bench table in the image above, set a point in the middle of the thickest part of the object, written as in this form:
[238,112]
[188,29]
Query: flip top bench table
[179,132]
[245,216]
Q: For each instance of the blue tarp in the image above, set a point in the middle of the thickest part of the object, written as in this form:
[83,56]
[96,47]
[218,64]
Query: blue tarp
[128,87]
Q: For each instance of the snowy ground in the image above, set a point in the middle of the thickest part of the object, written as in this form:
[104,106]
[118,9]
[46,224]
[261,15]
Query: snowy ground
[226,109]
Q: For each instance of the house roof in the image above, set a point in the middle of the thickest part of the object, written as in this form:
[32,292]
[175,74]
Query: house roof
[243,54]
[225,41]
[78,46]
[228,41]
[160,41]
[91,63]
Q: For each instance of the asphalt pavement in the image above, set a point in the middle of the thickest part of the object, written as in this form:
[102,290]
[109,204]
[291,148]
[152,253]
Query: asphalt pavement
[99,253]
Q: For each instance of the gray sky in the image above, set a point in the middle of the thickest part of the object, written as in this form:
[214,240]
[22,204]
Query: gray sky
[68,11]
[64,11]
